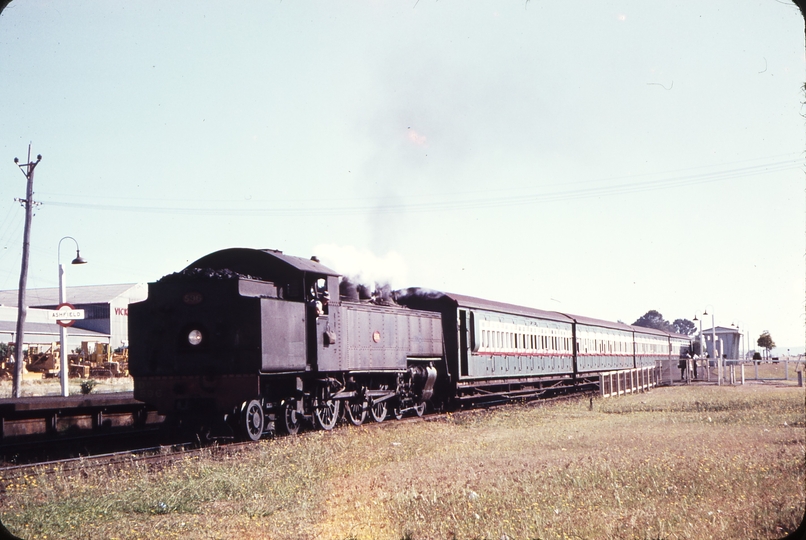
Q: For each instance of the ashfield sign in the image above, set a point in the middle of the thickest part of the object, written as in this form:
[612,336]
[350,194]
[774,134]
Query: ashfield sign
[66,314]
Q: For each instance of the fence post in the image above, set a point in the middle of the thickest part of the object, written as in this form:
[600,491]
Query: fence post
[786,369]
[800,378]
[742,374]
[755,364]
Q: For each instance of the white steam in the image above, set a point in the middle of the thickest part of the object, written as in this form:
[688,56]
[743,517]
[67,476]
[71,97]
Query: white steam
[362,265]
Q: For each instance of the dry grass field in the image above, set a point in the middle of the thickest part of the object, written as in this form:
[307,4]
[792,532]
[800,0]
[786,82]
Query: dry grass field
[699,462]
[52,387]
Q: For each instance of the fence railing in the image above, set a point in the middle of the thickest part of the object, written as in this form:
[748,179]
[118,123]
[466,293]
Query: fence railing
[629,381]
[784,370]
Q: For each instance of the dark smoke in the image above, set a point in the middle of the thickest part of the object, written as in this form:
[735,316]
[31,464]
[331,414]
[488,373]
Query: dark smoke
[401,295]
[364,292]
[348,290]
[380,294]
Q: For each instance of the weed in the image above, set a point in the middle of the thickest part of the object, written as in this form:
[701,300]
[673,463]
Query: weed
[689,462]
[88,386]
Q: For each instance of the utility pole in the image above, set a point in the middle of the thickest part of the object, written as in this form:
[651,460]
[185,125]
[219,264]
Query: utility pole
[22,308]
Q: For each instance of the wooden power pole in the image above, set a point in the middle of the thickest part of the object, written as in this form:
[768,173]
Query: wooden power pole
[22,308]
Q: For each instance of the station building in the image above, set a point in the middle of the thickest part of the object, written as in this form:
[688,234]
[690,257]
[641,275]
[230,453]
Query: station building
[727,342]
[106,314]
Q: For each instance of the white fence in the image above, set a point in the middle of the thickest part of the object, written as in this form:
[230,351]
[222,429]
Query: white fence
[629,381]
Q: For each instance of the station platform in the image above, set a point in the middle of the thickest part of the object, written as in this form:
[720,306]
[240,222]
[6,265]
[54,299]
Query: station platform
[55,415]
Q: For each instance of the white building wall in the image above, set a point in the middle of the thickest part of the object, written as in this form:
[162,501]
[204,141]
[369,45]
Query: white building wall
[119,314]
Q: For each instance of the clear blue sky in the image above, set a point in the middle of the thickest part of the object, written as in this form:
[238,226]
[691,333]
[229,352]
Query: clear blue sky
[597,158]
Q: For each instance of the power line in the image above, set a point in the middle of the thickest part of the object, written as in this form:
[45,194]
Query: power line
[450,202]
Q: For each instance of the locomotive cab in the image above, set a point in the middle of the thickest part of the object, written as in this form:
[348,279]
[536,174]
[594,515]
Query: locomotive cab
[204,336]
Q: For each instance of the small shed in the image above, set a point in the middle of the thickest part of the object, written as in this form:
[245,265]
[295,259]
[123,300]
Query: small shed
[728,341]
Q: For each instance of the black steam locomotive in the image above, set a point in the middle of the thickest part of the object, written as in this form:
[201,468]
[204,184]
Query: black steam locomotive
[246,340]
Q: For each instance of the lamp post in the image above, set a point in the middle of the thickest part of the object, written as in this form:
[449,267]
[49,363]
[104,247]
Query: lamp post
[738,324]
[63,353]
[702,350]
[713,346]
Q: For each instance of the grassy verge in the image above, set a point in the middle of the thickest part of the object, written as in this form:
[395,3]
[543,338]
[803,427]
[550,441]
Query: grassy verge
[771,370]
[684,462]
[52,387]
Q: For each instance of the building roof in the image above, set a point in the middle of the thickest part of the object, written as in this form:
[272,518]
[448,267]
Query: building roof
[722,330]
[9,328]
[87,294]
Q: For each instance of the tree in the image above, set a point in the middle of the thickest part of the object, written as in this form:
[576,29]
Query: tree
[765,341]
[684,326]
[653,319]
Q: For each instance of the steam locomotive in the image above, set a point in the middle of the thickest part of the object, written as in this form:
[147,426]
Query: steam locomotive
[246,340]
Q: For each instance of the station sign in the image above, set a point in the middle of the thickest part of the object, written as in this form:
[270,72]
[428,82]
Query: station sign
[66,314]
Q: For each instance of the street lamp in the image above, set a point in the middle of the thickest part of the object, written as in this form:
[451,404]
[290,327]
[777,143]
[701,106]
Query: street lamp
[713,345]
[64,364]
[738,324]
[702,350]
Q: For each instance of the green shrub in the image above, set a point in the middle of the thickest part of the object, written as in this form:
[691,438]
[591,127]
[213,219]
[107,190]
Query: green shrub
[88,386]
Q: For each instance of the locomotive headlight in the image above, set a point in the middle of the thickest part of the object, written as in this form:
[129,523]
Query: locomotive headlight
[194,337]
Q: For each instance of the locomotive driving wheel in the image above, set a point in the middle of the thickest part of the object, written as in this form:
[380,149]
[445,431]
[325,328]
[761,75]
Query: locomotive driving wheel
[252,420]
[326,412]
[356,413]
[378,411]
[290,420]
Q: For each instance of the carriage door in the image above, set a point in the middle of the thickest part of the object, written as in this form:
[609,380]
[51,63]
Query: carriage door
[463,342]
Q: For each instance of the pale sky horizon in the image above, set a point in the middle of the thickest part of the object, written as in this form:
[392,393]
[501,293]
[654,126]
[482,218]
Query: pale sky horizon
[595,158]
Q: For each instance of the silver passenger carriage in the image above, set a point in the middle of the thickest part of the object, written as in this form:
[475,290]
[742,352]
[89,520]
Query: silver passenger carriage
[497,351]
[603,345]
